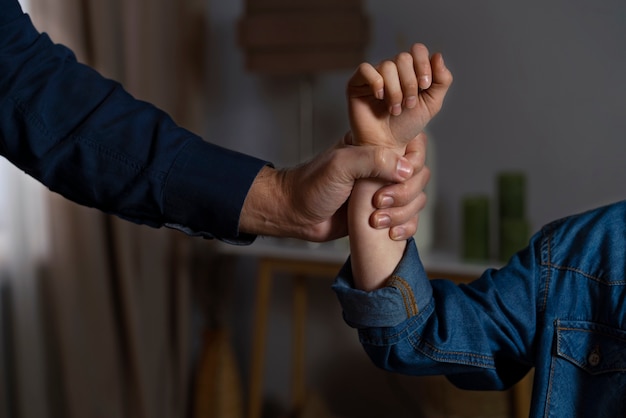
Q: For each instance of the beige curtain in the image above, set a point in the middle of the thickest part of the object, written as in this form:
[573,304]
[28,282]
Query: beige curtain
[116,295]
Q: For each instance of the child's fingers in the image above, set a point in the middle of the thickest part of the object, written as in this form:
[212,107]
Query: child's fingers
[393,88]
[442,79]
[366,81]
[422,65]
[408,79]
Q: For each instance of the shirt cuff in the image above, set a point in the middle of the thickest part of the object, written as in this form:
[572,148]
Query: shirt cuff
[206,189]
[405,294]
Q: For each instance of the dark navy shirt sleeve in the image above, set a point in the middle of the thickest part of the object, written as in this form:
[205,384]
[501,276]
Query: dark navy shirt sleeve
[84,137]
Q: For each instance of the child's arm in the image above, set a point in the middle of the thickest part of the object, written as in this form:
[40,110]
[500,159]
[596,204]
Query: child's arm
[389,105]
[374,254]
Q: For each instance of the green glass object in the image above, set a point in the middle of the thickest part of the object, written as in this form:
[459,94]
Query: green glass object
[511,195]
[514,236]
[476,228]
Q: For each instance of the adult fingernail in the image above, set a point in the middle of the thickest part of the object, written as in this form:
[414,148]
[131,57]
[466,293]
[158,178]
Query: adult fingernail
[397,233]
[383,221]
[396,109]
[386,202]
[380,94]
[404,168]
[424,81]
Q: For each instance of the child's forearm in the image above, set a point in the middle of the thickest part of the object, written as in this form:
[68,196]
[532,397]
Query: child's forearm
[389,105]
[374,255]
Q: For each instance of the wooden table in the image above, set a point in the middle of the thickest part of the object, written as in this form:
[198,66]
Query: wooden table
[300,260]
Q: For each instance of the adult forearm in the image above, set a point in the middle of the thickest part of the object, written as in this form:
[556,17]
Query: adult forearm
[10,10]
[86,138]
[266,207]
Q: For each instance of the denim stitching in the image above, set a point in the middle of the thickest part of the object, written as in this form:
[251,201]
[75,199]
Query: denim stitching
[469,359]
[410,305]
[546,247]
[437,354]
[586,275]
[593,330]
[550,386]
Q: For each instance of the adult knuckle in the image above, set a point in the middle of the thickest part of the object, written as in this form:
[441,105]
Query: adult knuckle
[380,158]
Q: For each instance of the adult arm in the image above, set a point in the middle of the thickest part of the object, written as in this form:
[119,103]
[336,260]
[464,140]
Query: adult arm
[86,138]
[309,201]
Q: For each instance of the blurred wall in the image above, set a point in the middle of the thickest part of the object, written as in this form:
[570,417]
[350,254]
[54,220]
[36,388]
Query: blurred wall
[538,87]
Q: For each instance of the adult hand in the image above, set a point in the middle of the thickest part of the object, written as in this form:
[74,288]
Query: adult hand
[308,201]
[390,104]
[403,201]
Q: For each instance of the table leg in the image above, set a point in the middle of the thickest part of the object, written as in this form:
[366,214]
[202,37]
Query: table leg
[298,342]
[258,344]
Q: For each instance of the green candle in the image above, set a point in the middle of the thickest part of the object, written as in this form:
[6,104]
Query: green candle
[476,228]
[514,235]
[511,195]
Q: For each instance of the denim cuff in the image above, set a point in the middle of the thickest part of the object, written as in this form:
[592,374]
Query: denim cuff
[405,294]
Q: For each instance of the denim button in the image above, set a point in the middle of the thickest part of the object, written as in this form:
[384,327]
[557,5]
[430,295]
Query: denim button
[594,358]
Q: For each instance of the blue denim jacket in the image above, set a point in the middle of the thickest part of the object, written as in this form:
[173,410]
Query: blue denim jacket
[85,137]
[558,306]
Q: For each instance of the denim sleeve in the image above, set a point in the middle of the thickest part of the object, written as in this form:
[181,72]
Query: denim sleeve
[479,335]
[406,294]
[84,137]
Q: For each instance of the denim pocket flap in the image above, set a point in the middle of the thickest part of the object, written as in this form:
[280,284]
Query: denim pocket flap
[593,347]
